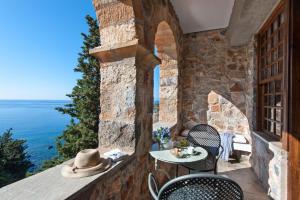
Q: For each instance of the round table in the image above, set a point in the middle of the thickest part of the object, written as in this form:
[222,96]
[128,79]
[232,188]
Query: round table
[168,157]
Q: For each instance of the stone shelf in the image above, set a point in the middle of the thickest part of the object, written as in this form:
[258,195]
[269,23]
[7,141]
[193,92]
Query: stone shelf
[120,51]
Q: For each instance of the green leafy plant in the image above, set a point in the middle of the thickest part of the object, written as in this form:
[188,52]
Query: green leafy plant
[183,143]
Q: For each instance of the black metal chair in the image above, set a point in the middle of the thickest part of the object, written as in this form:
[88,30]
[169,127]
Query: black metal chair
[153,187]
[197,187]
[207,137]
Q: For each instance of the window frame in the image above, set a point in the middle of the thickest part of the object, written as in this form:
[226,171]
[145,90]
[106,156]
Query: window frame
[281,8]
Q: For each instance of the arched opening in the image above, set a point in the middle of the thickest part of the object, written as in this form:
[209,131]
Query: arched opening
[165,49]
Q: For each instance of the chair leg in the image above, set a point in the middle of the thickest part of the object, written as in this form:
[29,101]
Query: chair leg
[216,168]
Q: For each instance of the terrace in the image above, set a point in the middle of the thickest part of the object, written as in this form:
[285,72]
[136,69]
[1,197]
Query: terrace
[223,63]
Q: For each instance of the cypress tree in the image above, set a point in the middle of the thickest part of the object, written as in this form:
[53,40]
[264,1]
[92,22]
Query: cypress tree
[82,132]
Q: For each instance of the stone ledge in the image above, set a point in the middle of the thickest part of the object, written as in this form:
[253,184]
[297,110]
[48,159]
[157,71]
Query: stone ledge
[51,185]
[274,144]
[124,50]
[273,162]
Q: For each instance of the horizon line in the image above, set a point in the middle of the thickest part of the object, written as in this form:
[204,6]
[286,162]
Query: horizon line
[155,99]
[35,99]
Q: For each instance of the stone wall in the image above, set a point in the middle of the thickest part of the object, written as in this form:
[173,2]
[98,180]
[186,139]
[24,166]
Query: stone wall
[128,182]
[215,90]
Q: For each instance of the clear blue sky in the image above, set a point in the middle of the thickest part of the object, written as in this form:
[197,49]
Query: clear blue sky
[156,83]
[156,79]
[39,43]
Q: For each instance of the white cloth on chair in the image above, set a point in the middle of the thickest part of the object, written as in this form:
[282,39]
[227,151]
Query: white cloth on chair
[226,142]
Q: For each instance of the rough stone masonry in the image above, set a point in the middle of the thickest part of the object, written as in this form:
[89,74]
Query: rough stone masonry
[128,33]
[217,86]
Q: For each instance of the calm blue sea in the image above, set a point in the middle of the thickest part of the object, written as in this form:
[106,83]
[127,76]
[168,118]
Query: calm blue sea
[35,121]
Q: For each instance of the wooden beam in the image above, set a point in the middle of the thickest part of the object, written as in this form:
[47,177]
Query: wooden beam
[294,102]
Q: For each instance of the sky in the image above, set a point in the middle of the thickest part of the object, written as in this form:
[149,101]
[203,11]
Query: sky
[39,46]
[156,83]
[156,79]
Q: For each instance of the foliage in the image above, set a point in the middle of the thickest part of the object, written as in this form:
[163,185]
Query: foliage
[162,135]
[51,163]
[14,161]
[75,138]
[156,107]
[82,132]
[183,143]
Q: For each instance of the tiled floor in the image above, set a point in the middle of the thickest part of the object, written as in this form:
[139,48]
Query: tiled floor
[242,173]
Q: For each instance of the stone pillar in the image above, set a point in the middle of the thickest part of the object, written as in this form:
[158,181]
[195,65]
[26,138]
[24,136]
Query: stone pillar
[126,79]
[168,90]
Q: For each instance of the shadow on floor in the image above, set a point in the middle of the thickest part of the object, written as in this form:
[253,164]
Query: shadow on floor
[242,173]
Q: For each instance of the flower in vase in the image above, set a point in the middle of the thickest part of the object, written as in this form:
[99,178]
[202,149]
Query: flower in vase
[162,135]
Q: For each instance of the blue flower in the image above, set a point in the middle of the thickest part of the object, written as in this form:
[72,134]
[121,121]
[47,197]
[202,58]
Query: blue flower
[162,135]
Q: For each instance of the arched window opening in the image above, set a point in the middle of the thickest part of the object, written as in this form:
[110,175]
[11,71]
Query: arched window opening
[156,99]
[167,75]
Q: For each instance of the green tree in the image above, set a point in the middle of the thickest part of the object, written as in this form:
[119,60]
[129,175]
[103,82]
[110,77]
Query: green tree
[14,161]
[51,163]
[82,132]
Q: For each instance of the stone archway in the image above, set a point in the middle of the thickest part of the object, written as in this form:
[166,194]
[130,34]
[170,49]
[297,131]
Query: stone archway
[167,52]
[127,31]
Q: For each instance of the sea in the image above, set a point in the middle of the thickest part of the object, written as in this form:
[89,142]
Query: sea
[37,122]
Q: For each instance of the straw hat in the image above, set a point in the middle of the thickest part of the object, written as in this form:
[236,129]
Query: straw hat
[87,163]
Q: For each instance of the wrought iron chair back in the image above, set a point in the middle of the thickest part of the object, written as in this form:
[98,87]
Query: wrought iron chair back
[205,136]
[200,187]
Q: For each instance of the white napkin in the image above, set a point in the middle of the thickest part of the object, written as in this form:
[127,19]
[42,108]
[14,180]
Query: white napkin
[115,154]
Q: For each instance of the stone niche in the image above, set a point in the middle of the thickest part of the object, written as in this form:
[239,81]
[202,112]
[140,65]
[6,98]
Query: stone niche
[225,116]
